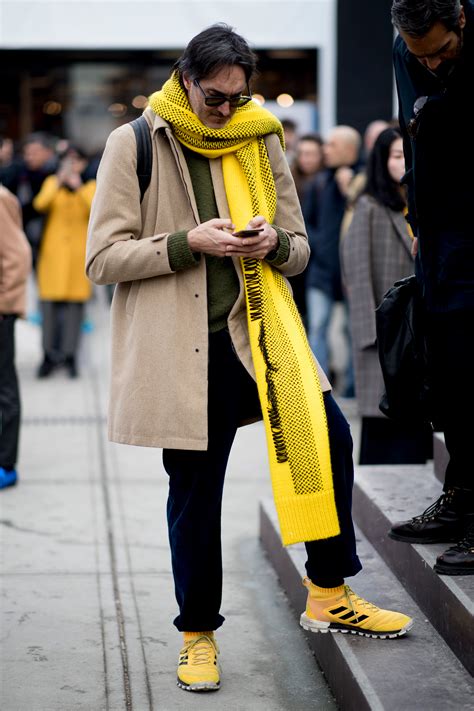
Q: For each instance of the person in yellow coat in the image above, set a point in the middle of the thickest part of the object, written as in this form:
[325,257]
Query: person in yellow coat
[66,197]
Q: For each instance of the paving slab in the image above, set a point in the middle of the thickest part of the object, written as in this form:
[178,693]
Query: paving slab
[68,452]
[54,528]
[52,644]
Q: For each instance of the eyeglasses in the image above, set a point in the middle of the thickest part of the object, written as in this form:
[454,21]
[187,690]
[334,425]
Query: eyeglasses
[414,123]
[235,101]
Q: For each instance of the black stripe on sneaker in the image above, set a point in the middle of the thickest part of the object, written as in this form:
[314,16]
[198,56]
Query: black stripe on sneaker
[348,615]
[337,610]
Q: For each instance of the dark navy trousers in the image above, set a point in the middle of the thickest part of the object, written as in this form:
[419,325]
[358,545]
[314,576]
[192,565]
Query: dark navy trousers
[196,482]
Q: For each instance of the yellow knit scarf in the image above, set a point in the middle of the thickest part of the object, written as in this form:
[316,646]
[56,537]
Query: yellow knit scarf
[287,379]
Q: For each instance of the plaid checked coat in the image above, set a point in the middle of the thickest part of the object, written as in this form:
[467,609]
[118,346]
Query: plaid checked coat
[376,251]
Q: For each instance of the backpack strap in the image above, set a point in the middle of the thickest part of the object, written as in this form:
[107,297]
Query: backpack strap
[144,153]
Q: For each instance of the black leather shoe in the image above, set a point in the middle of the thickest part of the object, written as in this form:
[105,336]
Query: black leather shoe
[442,522]
[458,560]
[46,367]
[71,367]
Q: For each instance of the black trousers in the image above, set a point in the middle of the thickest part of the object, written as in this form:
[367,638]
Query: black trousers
[9,394]
[450,341]
[196,482]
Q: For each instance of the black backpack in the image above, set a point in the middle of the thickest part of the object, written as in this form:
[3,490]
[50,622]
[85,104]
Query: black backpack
[144,153]
[401,345]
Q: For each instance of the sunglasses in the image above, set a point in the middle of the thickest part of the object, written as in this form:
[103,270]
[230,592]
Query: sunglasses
[235,101]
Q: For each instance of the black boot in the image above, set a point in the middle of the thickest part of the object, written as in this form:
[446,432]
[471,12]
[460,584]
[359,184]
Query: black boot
[442,522]
[46,367]
[458,560]
[71,367]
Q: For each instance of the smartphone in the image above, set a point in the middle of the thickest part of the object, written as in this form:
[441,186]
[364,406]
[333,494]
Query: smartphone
[248,233]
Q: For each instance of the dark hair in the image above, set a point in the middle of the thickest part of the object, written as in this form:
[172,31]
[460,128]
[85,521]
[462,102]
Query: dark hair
[289,124]
[380,185]
[417,17]
[315,137]
[216,47]
[74,148]
[44,139]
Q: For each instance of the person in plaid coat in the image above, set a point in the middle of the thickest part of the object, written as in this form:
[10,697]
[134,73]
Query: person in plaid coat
[376,252]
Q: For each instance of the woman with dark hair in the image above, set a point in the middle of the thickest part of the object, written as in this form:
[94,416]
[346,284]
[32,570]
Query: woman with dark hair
[376,252]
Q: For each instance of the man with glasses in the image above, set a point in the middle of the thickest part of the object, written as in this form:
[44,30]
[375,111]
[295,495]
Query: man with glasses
[183,370]
[434,67]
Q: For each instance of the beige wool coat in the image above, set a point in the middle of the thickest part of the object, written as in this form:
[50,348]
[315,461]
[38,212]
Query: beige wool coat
[158,392]
[15,256]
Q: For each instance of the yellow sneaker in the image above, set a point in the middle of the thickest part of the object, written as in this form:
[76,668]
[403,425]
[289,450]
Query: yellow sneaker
[197,668]
[341,610]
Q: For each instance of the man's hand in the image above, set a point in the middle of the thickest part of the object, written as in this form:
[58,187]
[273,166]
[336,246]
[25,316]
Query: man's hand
[255,247]
[212,237]
[414,247]
[215,237]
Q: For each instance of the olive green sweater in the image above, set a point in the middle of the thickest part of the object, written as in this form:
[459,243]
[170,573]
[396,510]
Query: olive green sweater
[222,280]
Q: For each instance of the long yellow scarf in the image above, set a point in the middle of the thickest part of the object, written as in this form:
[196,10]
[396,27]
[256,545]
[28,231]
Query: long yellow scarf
[287,379]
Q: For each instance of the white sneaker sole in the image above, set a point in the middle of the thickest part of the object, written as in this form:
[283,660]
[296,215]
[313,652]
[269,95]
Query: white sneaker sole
[199,685]
[317,626]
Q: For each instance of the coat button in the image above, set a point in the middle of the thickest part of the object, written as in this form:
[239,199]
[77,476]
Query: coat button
[158,252]
[197,350]
[196,295]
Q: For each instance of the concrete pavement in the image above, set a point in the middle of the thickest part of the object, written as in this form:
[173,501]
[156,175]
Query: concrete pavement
[85,583]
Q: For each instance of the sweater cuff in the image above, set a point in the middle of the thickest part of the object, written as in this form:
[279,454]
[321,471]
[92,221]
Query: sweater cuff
[282,252]
[179,254]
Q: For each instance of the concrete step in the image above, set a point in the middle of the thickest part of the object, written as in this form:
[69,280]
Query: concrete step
[417,672]
[384,495]
[440,456]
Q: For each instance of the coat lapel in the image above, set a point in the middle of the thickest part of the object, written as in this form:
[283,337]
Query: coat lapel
[401,228]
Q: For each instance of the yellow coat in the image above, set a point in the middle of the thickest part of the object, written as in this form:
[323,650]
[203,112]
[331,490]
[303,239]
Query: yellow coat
[61,275]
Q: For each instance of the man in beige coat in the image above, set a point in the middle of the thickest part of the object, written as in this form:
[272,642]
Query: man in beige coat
[15,265]
[182,372]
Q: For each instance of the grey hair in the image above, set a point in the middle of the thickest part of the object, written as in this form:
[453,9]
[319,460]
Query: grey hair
[417,17]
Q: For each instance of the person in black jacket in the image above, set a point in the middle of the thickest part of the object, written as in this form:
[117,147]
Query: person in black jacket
[324,285]
[434,64]
[39,161]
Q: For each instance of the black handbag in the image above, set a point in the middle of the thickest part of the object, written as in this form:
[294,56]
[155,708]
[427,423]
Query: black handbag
[402,352]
